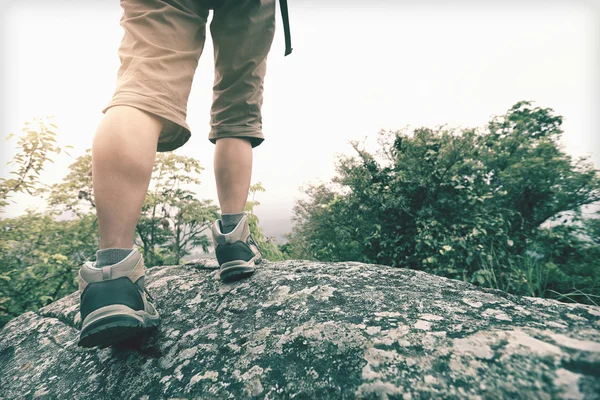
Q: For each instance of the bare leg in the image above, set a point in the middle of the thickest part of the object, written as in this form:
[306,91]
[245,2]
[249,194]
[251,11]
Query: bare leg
[233,170]
[123,155]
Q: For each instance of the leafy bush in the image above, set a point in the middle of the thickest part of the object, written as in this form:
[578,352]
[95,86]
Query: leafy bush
[39,258]
[464,204]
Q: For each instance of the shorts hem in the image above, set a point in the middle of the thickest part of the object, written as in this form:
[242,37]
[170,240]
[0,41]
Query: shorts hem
[255,136]
[175,131]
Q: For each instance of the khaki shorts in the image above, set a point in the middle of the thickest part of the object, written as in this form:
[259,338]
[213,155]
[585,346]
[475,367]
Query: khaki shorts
[159,54]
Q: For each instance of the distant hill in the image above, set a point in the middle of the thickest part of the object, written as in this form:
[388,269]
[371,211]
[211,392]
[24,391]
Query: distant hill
[276,227]
[275,221]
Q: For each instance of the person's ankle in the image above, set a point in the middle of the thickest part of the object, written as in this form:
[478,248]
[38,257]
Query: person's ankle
[230,221]
[111,256]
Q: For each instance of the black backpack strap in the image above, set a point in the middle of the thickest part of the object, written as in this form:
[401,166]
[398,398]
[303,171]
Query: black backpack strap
[286,26]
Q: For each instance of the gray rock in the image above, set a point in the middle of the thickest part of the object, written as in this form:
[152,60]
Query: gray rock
[308,330]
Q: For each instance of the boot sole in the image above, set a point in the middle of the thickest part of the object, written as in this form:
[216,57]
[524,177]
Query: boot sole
[235,270]
[114,324]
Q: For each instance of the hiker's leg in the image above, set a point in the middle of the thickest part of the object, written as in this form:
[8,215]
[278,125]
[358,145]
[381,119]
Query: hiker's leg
[123,155]
[233,171]
[159,53]
[242,33]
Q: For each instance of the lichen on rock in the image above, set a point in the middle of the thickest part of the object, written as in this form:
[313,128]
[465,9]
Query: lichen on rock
[311,330]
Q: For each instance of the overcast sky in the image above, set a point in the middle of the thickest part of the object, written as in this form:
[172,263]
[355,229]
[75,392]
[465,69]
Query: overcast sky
[357,67]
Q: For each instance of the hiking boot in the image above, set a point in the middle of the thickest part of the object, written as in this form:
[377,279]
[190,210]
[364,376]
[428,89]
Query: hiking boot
[115,306]
[237,252]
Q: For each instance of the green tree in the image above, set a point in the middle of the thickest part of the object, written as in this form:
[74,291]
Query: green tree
[465,204]
[591,228]
[523,157]
[173,219]
[34,148]
[74,193]
[37,253]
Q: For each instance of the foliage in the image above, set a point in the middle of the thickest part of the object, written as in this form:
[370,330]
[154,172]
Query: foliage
[74,193]
[463,204]
[570,261]
[39,257]
[173,219]
[322,230]
[592,228]
[34,148]
[522,157]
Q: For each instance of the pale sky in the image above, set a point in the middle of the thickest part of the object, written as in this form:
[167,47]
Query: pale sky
[357,67]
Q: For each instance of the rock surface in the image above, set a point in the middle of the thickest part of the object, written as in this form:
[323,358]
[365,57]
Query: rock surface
[308,330]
